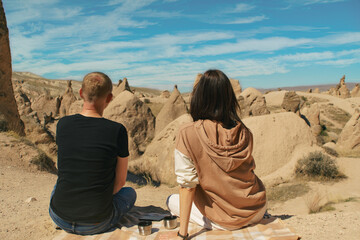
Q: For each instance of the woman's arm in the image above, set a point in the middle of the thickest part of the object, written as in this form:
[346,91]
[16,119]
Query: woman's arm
[120,173]
[186,200]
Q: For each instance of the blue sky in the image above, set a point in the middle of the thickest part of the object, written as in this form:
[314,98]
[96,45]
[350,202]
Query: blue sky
[159,43]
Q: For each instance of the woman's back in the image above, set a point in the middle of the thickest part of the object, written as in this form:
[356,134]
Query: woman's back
[228,193]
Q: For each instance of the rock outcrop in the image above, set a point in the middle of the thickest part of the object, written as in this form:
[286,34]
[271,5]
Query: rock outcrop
[316,90]
[158,159]
[46,105]
[291,102]
[165,94]
[173,108]
[252,103]
[197,79]
[138,119]
[312,115]
[76,107]
[356,91]
[67,99]
[23,102]
[279,141]
[236,87]
[340,90]
[9,115]
[122,86]
[349,138]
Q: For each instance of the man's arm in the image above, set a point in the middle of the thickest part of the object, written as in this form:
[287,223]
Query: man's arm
[120,173]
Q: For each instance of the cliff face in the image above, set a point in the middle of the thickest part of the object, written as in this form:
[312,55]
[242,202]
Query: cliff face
[9,115]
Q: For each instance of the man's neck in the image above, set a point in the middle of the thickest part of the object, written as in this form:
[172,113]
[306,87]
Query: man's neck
[91,110]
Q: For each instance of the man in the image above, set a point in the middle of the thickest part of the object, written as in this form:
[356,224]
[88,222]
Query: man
[89,196]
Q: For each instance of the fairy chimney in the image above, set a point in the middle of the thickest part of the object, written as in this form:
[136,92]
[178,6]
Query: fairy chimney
[173,108]
[124,86]
[9,115]
[67,99]
[356,91]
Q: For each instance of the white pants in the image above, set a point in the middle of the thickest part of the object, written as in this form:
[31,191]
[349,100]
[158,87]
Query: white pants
[173,204]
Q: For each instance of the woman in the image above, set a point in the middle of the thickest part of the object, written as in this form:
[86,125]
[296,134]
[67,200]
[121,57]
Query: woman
[214,163]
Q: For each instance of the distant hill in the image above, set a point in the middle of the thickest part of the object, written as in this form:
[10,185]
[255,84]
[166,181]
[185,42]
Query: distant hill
[37,85]
[57,87]
[322,88]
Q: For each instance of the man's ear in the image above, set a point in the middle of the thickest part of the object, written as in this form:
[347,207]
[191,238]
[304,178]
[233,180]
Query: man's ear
[81,93]
[109,97]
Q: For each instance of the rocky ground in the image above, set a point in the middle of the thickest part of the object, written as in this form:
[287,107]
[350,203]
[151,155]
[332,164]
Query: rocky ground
[25,192]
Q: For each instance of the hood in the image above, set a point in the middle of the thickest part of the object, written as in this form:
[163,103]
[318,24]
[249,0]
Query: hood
[228,148]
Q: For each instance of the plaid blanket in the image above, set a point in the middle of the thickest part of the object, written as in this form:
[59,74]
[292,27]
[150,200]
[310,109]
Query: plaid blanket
[268,229]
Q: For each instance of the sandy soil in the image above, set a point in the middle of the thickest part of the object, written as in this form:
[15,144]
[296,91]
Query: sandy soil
[29,220]
[22,219]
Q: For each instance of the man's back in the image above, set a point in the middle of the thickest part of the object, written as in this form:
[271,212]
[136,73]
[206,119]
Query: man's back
[87,154]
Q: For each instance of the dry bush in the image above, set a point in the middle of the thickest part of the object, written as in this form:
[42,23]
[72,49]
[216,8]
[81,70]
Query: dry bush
[44,162]
[314,206]
[313,202]
[318,166]
[331,151]
[287,191]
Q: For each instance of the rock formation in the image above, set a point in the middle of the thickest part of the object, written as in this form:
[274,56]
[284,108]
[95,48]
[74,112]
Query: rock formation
[316,90]
[46,105]
[9,115]
[236,86]
[279,141]
[356,91]
[123,86]
[76,107]
[173,108]
[165,94]
[23,102]
[309,90]
[291,102]
[343,91]
[340,90]
[197,79]
[312,114]
[67,99]
[349,138]
[138,119]
[158,159]
[252,103]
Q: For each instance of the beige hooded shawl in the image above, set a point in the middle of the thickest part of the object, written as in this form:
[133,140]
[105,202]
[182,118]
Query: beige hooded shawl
[229,193]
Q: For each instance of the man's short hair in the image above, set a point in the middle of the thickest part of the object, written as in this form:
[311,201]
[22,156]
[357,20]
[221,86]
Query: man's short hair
[95,85]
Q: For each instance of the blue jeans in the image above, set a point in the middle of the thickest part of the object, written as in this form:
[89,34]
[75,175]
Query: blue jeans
[123,201]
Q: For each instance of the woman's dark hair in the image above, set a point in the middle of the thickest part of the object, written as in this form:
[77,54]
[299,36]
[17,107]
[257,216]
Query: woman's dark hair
[213,98]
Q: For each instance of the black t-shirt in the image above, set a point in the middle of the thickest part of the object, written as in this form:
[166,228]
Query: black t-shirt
[87,156]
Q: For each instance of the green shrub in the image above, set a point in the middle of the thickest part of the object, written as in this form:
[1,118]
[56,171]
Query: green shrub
[317,165]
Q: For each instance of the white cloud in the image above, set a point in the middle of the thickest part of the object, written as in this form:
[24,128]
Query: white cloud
[247,20]
[242,7]
[128,6]
[340,38]
[15,5]
[249,45]
[308,2]
[313,56]
[340,62]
